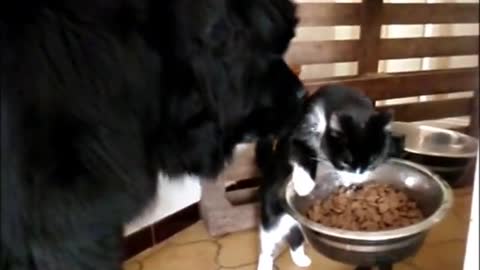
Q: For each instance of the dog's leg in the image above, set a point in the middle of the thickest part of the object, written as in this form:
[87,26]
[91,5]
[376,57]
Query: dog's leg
[79,254]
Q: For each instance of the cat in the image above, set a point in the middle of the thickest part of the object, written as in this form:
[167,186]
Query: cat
[339,127]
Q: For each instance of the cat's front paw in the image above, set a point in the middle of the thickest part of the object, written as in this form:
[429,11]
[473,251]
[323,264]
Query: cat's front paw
[303,188]
[303,184]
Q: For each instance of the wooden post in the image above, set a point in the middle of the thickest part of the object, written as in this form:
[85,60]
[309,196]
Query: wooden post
[370,29]
[467,178]
[473,128]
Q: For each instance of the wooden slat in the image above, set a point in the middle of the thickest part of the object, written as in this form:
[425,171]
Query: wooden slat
[431,109]
[423,47]
[387,86]
[370,36]
[317,14]
[316,52]
[429,13]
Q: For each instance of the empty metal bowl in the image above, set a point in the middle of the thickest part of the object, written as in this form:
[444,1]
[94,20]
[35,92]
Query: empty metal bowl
[433,141]
[433,196]
[444,152]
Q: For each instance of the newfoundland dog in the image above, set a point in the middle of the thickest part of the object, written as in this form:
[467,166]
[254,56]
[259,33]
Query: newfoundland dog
[99,96]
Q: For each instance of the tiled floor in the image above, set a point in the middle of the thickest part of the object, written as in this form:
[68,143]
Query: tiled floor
[193,249]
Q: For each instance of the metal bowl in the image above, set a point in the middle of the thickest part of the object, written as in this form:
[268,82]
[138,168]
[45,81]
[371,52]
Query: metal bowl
[444,152]
[433,141]
[432,194]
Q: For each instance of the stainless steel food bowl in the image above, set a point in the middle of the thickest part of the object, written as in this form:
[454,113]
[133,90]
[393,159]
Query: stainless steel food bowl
[444,152]
[433,141]
[432,194]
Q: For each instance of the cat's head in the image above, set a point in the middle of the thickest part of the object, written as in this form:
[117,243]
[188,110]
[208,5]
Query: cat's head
[357,145]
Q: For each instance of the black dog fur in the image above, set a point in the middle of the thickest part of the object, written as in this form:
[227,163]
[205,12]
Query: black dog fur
[98,96]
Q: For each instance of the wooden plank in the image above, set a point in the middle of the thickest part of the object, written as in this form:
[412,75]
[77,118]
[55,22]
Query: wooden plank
[387,86]
[328,14]
[370,36]
[431,109]
[419,13]
[423,47]
[316,52]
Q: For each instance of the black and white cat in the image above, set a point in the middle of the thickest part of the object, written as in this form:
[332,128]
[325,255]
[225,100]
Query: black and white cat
[339,127]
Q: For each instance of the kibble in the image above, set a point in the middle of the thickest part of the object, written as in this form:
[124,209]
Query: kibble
[366,207]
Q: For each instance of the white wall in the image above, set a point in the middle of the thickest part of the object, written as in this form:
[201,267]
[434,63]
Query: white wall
[471,255]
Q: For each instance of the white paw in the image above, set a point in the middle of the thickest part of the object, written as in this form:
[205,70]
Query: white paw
[299,257]
[265,262]
[303,184]
[302,260]
[303,187]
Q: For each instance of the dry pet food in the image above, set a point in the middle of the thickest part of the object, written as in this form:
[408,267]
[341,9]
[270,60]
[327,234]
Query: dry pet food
[366,207]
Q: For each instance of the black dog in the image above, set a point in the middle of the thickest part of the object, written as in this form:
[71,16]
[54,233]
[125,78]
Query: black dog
[98,96]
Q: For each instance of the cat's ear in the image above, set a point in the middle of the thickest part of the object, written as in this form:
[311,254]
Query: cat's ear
[381,120]
[334,122]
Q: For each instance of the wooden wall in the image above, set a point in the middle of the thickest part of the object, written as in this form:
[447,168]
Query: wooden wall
[371,48]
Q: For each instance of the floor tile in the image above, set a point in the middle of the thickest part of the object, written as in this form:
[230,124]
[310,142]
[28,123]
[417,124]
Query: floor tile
[451,228]
[284,262]
[132,265]
[441,256]
[198,256]
[194,233]
[252,266]
[238,248]
[462,207]
[406,266]
[458,192]
[194,249]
